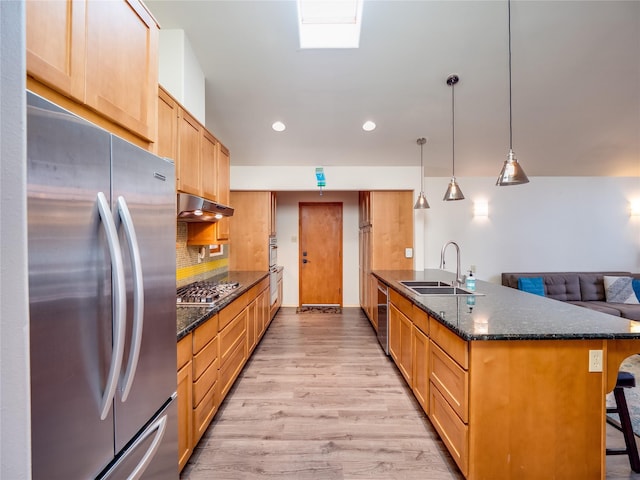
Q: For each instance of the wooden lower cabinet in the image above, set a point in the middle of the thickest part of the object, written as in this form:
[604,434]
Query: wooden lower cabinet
[209,401]
[184,391]
[233,351]
[509,409]
[434,362]
[252,325]
[420,349]
[210,360]
[453,431]
[400,335]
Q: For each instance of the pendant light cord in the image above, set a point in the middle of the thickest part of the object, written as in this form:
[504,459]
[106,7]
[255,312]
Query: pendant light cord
[453,130]
[421,168]
[510,109]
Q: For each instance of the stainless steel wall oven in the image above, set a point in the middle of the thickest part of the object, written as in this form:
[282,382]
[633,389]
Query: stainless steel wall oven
[273,269]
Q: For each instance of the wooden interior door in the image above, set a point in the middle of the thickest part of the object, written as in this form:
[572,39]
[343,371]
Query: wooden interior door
[320,255]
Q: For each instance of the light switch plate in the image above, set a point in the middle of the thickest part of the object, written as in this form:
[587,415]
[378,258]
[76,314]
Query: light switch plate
[408,253]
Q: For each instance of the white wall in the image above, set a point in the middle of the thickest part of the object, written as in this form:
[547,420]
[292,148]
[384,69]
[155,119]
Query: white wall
[549,224]
[15,426]
[180,73]
[288,236]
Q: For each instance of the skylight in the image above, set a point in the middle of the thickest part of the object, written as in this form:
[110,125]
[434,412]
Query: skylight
[329,23]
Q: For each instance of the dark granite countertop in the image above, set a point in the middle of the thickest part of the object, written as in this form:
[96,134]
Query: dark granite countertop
[188,318]
[504,313]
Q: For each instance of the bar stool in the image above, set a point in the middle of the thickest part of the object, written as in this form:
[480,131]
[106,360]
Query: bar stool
[625,380]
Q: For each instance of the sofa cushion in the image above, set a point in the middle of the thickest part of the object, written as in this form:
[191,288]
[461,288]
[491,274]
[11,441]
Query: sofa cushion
[630,311]
[598,306]
[591,287]
[619,290]
[563,286]
[533,285]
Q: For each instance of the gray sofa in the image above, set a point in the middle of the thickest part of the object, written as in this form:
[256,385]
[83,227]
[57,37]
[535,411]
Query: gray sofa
[585,289]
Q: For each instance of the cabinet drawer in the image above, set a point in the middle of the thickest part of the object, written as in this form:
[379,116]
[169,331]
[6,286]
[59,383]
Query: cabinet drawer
[204,358]
[451,379]
[420,319]
[205,382]
[230,369]
[184,351]
[456,347]
[453,432]
[228,313]
[234,332]
[402,303]
[253,293]
[205,333]
[205,411]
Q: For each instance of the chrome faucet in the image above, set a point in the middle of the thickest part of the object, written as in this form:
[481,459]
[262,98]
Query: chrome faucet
[459,280]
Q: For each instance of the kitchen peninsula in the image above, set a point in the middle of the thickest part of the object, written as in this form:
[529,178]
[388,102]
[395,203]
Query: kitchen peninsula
[504,376]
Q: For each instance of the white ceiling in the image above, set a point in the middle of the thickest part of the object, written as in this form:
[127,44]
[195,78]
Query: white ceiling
[576,84]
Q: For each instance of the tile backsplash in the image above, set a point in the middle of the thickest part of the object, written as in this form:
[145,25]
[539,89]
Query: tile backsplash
[189,268]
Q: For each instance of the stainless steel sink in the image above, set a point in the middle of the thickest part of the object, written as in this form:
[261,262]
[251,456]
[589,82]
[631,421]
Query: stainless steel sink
[423,283]
[422,287]
[441,291]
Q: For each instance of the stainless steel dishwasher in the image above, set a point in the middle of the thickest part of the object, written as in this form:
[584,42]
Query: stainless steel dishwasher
[383,317]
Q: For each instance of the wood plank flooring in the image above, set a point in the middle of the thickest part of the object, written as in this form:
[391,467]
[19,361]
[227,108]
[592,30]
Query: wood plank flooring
[320,400]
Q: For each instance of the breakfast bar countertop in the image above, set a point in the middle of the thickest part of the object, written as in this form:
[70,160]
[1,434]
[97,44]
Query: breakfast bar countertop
[502,313]
[188,318]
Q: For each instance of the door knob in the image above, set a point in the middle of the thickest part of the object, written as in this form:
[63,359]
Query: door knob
[304,260]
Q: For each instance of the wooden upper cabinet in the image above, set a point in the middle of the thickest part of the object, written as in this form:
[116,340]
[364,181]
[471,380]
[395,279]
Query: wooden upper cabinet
[223,160]
[364,204]
[189,146]
[103,55]
[272,215]
[167,144]
[208,166]
[249,249]
[122,39]
[391,215]
[224,168]
[56,45]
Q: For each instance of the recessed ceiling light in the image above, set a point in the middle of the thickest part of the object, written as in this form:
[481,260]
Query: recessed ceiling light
[278,126]
[368,126]
[329,24]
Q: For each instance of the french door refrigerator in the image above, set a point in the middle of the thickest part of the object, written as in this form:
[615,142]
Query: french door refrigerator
[101,242]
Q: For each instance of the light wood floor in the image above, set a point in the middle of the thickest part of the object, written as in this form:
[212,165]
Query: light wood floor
[319,400]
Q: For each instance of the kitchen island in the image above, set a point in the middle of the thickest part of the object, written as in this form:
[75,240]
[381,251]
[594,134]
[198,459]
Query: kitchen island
[504,376]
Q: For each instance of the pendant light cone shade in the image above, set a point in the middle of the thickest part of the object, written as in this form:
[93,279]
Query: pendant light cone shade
[453,190]
[511,173]
[421,203]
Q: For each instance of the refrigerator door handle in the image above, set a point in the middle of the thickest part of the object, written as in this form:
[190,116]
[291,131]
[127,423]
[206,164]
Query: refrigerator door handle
[119,304]
[159,426]
[138,297]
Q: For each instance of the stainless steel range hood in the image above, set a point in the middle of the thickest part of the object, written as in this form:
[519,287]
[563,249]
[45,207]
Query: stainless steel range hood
[192,208]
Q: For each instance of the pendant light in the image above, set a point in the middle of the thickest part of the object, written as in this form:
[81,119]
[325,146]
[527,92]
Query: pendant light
[453,191]
[422,200]
[511,173]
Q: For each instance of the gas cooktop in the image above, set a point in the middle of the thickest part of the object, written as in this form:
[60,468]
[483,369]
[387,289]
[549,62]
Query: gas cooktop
[204,294]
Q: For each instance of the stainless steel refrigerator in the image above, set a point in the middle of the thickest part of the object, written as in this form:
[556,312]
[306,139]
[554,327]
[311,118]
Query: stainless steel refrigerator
[101,233]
